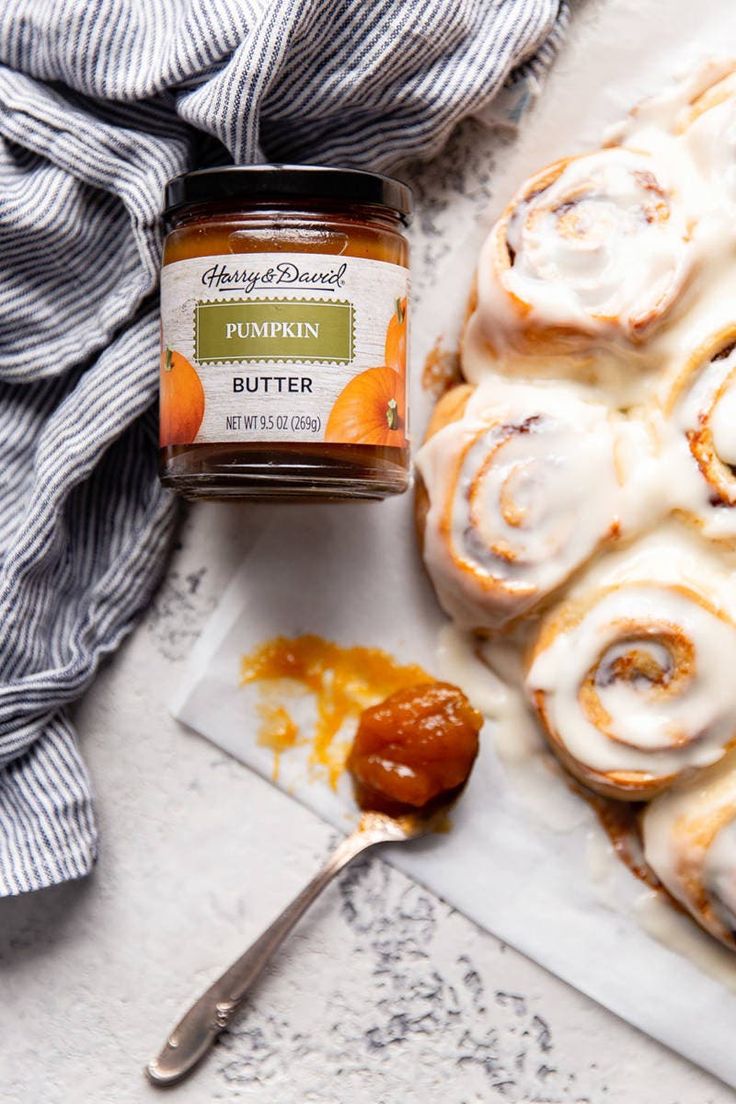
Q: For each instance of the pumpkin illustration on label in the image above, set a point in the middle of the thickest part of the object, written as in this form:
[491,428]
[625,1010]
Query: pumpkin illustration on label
[396,338]
[182,399]
[370,410]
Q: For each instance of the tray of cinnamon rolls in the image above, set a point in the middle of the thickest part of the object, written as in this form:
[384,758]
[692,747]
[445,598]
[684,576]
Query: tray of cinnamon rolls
[576,499]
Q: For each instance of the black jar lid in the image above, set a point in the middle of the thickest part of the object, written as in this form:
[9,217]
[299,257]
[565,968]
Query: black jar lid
[259,183]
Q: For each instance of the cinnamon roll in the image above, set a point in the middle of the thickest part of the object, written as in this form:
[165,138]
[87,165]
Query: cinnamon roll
[715,85]
[701,410]
[709,127]
[633,680]
[592,249]
[690,844]
[670,112]
[521,483]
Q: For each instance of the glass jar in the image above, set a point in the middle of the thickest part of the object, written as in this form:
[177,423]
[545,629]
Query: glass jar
[284,334]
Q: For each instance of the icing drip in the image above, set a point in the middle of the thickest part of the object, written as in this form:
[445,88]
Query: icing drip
[720,875]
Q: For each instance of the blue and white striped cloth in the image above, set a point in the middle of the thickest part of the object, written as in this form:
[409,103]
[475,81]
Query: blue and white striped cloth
[101,101]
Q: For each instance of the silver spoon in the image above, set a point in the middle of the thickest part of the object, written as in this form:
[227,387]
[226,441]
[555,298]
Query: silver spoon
[216,1008]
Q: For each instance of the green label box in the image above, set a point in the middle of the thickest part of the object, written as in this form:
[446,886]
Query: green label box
[274,329]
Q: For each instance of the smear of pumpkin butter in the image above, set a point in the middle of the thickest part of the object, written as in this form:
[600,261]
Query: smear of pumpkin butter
[277,731]
[344,682]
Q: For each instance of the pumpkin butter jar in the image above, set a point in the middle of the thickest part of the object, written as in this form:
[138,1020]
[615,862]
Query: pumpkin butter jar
[284,334]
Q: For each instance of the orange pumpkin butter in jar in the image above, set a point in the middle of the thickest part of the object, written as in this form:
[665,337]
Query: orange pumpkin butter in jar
[284,318]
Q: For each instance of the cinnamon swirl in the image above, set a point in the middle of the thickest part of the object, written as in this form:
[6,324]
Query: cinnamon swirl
[521,484]
[633,681]
[592,249]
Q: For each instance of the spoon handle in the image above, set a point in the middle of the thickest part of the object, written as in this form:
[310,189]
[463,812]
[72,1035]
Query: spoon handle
[212,1013]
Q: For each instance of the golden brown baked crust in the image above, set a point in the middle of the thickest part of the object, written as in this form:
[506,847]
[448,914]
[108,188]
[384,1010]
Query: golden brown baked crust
[450,408]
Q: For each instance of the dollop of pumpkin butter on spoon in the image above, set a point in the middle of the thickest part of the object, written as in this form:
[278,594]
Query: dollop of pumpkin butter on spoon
[414,749]
[416,738]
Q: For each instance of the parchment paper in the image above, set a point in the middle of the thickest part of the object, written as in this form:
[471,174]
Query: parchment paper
[351,573]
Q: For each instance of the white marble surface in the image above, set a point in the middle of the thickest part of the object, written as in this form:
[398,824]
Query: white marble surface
[384,993]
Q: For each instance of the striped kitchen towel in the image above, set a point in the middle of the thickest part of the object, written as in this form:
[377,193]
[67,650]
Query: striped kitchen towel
[101,101]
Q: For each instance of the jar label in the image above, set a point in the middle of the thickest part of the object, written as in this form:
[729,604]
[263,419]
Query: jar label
[283,347]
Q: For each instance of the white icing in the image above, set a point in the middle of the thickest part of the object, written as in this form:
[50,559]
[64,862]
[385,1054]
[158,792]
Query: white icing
[690,843]
[691,127]
[671,111]
[522,490]
[603,250]
[488,673]
[712,141]
[669,927]
[459,658]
